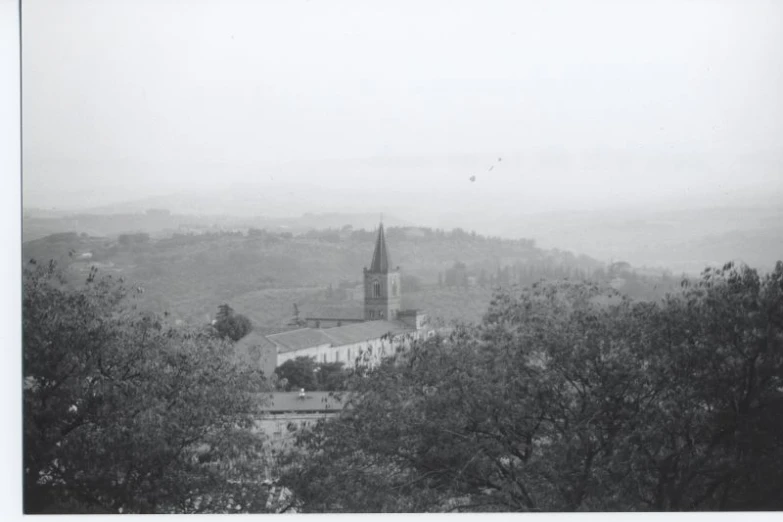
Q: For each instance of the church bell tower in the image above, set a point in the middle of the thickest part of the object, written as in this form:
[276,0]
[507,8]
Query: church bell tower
[382,291]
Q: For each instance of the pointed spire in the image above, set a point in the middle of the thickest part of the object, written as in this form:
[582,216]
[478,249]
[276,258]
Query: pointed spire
[380,257]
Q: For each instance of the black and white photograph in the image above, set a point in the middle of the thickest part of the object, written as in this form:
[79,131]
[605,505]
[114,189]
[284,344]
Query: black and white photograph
[435,256]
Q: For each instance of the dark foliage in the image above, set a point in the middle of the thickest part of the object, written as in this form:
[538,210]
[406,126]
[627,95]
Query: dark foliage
[123,413]
[568,399]
[304,372]
[231,325]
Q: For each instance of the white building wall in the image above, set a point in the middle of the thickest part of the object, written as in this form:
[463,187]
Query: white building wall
[371,352]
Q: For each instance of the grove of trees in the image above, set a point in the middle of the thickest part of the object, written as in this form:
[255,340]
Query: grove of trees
[124,413]
[231,325]
[569,397]
[304,372]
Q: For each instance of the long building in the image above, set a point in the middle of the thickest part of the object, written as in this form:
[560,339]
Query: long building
[384,329]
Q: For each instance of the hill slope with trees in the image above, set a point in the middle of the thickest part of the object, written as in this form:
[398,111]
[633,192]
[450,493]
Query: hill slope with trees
[263,274]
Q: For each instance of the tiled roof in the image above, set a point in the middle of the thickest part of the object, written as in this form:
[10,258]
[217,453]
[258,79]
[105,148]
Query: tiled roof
[316,401]
[380,257]
[254,339]
[338,336]
[299,339]
[366,331]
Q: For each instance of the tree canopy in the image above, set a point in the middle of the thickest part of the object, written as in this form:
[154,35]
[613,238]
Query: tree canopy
[304,372]
[570,397]
[124,413]
[230,324]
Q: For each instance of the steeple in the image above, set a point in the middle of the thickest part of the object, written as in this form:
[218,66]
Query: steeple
[380,257]
[382,292]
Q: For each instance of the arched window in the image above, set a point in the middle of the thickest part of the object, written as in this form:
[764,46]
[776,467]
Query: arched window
[394,288]
[376,289]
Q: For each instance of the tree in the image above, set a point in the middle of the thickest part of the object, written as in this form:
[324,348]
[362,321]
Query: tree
[563,399]
[332,376]
[124,413]
[229,324]
[304,372]
[715,356]
[297,320]
[299,373]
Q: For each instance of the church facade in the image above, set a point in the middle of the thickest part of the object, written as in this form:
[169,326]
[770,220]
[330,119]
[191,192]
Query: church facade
[384,329]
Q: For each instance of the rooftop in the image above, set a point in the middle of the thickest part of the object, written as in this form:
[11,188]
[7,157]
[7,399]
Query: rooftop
[299,339]
[380,257]
[338,336]
[313,401]
[366,331]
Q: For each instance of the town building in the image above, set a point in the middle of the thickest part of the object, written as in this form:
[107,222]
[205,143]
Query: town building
[384,329]
[284,413]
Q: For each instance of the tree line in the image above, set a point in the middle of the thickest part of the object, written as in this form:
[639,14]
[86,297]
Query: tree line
[559,401]
[124,413]
[567,396]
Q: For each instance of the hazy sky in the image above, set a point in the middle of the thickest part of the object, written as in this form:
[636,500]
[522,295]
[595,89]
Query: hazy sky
[588,103]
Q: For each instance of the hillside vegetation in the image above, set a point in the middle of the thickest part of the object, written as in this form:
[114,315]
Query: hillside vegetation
[263,274]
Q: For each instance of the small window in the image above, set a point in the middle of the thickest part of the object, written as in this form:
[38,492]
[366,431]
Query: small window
[376,289]
[336,356]
[323,357]
[349,355]
[380,314]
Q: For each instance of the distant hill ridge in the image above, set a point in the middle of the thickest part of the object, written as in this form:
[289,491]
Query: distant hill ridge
[263,273]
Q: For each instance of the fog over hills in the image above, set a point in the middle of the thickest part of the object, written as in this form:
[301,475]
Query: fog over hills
[589,132]
[427,188]
[682,240]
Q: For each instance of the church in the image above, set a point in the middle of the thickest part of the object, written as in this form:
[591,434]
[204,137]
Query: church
[384,329]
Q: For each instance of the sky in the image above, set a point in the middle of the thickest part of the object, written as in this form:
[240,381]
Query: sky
[322,105]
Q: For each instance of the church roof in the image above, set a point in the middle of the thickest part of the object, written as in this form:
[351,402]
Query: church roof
[254,339]
[380,257]
[299,339]
[338,336]
[366,331]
